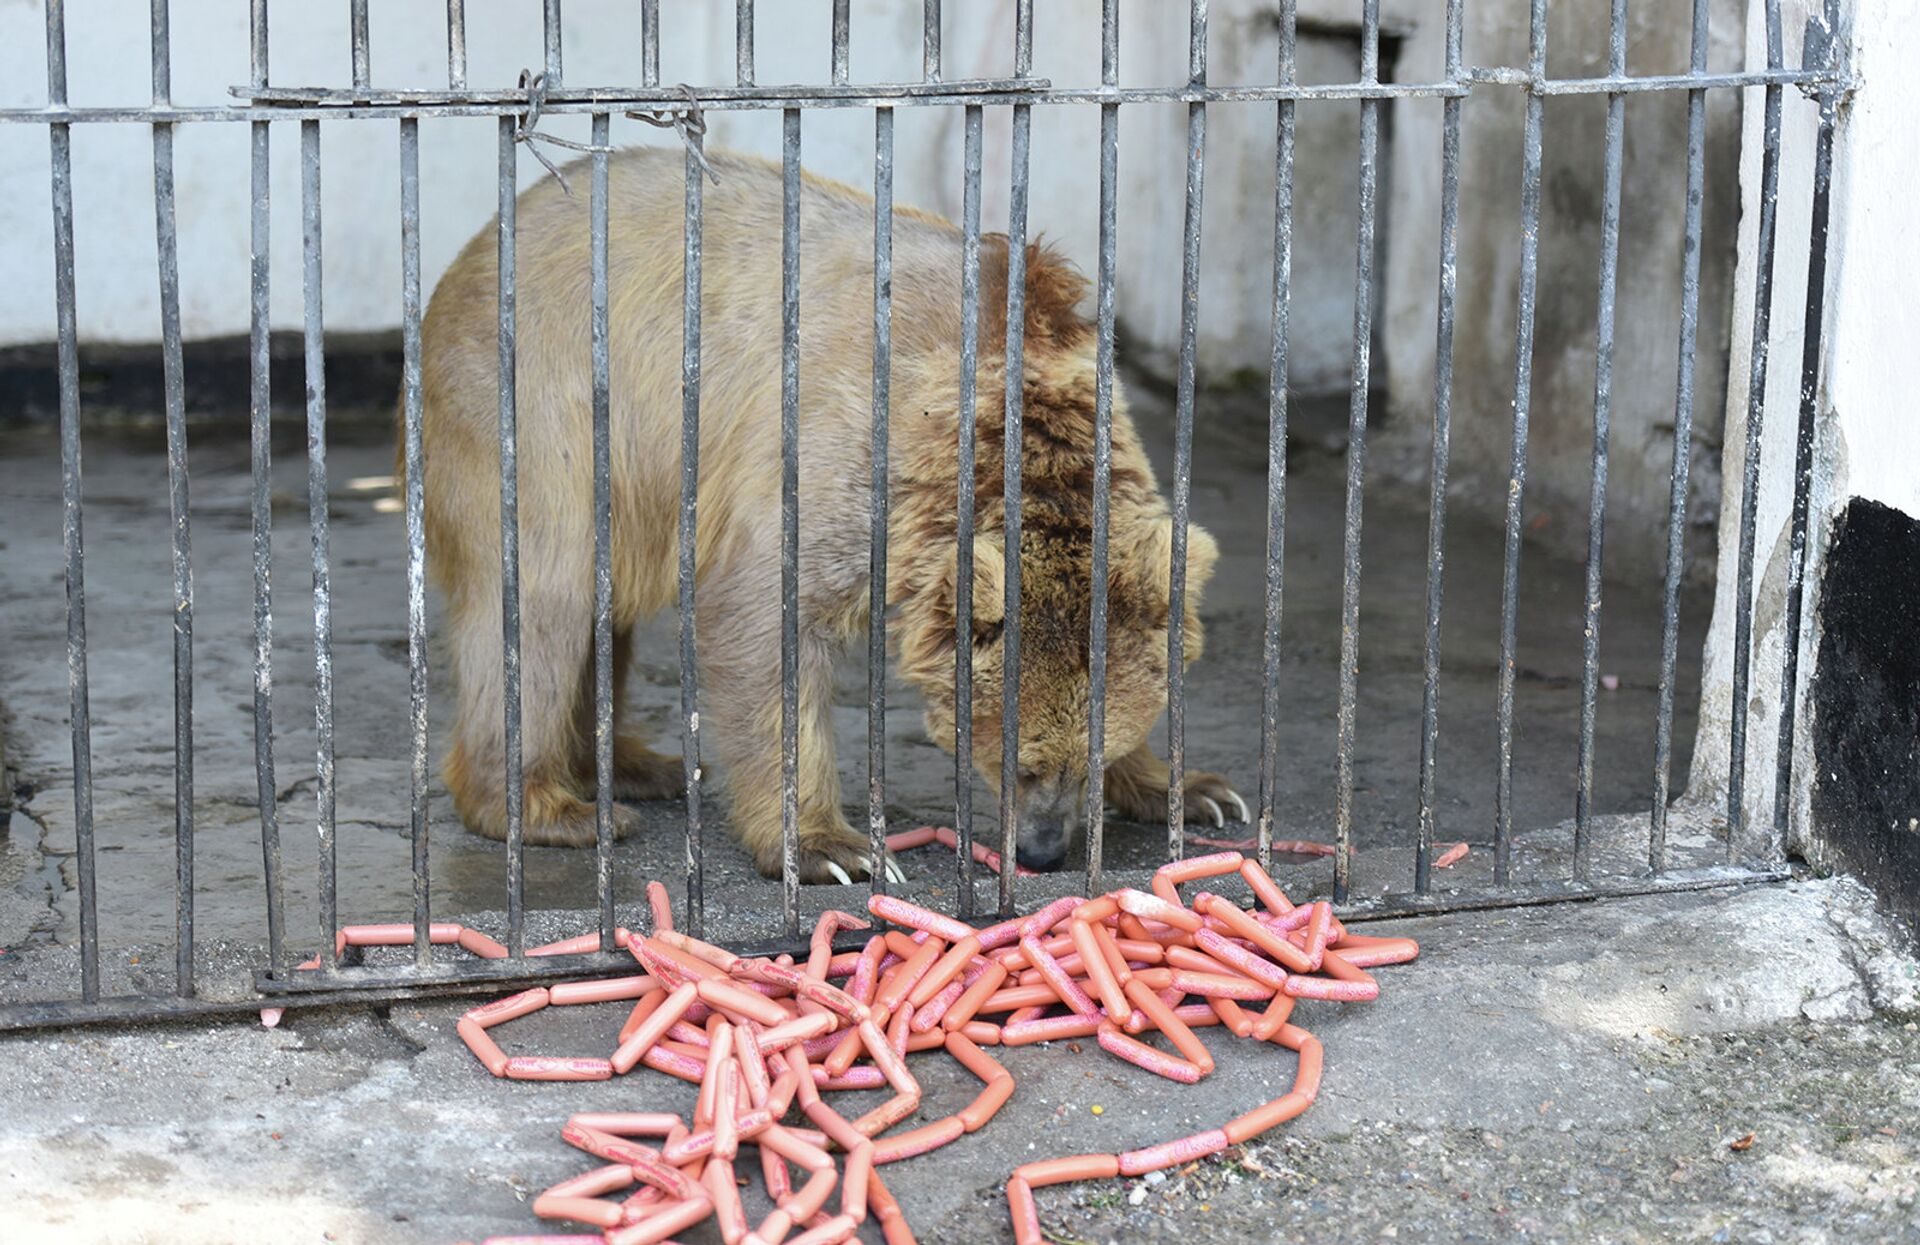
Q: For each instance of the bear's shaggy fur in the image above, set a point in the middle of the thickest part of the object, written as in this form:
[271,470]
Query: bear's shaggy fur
[738,546]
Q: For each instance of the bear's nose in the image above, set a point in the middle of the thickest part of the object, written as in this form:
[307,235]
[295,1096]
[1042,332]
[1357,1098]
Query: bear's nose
[1047,856]
[1049,863]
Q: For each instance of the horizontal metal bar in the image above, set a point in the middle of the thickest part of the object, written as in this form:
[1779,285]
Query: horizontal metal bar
[382,983]
[389,104]
[1193,92]
[1630,83]
[1538,894]
[444,972]
[142,1009]
[790,95]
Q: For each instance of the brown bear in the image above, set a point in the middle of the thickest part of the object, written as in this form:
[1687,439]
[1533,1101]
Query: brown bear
[738,547]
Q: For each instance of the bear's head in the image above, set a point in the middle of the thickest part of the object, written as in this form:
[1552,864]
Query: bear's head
[1056,571]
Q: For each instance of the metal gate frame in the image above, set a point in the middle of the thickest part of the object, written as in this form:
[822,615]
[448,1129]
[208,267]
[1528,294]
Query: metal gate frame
[260,105]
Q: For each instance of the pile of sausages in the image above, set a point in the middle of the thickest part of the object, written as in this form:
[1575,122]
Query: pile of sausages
[759,1036]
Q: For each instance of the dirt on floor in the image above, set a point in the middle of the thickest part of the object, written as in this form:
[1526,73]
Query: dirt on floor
[1807,1133]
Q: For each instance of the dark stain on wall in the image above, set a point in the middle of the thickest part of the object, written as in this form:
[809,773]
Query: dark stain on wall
[1866,703]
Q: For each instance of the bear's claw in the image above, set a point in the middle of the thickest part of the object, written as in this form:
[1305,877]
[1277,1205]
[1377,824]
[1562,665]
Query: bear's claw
[1208,796]
[838,860]
[840,875]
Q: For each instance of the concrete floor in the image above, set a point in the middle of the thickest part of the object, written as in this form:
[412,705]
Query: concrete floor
[129,595]
[1570,1073]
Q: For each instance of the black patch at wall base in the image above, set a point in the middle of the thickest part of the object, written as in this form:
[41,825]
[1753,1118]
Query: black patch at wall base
[123,385]
[1866,703]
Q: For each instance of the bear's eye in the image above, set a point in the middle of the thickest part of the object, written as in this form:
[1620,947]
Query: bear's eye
[984,634]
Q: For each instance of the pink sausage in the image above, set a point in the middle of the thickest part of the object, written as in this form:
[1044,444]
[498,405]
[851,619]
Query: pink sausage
[1173,1153]
[547,1068]
[1263,971]
[1052,1029]
[512,1007]
[662,906]
[1332,991]
[918,1141]
[627,1123]
[1154,908]
[653,1028]
[1064,986]
[579,1209]
[1140,1055]
[913,916]
[601,991]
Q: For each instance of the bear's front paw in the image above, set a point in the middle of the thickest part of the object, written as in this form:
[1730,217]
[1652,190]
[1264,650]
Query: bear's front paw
[1210,797]
[836,854]
[843,860]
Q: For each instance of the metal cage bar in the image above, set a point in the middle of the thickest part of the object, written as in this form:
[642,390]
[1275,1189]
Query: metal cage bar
[650,42]
[456,45]
[1812,342]
[840,39]
[61,181]
[790,656]
[603,637]
[1682,446]
[1750,462]
[167,251]
[743,42]
[963,512]
[1441,449]
[296,103]
[1530,172]
[930,40]
[551,29]
[1183,436]
[510,547]
[1357,402]
[1095,812]
[879,469]
[261,424]
[1266,800]
[692,241]
[362,48]
[414,465]
[1013,442]
[1602,421]
[314,341]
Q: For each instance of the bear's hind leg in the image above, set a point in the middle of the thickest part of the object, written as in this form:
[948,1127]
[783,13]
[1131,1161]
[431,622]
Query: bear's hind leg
[554,643]
[639,773]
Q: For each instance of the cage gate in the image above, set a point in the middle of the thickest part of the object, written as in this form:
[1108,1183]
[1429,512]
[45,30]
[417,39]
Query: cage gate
[1752,853]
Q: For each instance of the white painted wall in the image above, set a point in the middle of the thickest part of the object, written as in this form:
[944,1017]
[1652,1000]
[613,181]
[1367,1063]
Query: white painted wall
[1868,443]
[108,64]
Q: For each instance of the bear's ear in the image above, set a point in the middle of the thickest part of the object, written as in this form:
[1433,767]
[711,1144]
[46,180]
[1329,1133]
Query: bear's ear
[1203,554]
[1152,558]
[1055,290]
[989,580]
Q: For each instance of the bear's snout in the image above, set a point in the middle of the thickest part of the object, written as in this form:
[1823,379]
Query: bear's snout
[1049,810]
